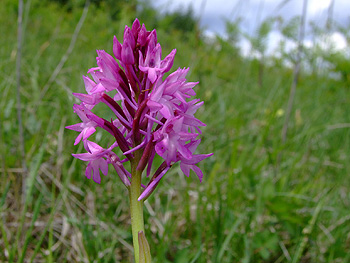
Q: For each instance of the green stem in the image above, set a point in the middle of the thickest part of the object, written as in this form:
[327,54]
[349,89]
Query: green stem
[136,207]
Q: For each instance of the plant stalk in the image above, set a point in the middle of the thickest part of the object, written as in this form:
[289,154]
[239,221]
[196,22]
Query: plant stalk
[136,207]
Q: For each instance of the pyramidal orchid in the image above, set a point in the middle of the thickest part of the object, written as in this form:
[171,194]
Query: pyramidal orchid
[153,115]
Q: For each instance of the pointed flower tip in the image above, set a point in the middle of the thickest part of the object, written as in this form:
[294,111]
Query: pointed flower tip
[115,40]
[136,26]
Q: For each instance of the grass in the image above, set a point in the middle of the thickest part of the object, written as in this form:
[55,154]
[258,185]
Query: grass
[248,208]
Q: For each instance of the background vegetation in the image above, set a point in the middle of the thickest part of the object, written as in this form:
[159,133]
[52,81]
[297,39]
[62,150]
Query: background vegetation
[261,200]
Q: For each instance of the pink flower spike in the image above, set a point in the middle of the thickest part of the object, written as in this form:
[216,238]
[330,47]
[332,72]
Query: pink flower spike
[148,113]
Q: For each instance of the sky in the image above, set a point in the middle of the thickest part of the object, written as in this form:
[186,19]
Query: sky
[212,14]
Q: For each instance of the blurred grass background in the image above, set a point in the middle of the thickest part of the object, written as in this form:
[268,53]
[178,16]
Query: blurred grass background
[261,200]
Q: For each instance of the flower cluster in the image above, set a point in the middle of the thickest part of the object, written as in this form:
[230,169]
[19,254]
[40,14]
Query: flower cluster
[152,115]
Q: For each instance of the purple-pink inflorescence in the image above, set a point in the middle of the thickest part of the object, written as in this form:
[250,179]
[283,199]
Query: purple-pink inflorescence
[153,116]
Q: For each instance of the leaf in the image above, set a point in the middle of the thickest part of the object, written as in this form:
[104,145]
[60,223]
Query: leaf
[145,253]
[229,237]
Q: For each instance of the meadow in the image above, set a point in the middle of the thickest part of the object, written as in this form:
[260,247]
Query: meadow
[262,199]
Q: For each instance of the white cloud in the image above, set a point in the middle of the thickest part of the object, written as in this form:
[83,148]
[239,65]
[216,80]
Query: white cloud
[245,46]
[213,12]
[338,40]
[318,6]
[335,41]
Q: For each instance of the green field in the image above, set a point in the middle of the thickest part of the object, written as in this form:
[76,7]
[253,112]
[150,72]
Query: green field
[261,199]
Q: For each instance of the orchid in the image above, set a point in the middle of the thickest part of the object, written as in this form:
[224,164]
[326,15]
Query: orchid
[153,116]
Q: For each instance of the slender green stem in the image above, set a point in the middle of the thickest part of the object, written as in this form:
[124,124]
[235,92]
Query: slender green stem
[136,207]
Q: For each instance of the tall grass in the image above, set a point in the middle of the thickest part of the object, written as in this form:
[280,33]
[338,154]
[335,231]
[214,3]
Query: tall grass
[247,209]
